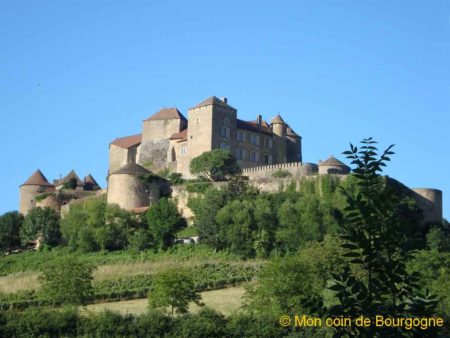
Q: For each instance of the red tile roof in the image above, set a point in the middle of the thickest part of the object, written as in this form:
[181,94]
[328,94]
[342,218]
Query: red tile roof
[214,101]
[182,135]
[128,141]
[72,174]
[167,114]
[253,126]
[37,178]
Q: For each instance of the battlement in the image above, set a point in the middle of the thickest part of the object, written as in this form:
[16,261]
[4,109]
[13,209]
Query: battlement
[297,169]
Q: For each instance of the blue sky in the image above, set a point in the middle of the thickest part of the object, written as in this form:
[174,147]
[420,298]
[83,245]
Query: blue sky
[74,75]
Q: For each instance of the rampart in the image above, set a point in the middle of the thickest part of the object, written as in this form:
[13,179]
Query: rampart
[296,169]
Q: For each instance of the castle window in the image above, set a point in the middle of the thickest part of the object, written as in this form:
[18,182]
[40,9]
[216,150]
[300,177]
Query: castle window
[266,142]
[254,156]
[226,122]
[266,159]
[254,139]
[183,150]
[225,132]
[238,153]
[174,155]
[224,146]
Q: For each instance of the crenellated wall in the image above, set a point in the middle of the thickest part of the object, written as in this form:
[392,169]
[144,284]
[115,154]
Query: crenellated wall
[297,169]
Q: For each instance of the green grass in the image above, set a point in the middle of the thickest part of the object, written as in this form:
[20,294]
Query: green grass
[225,301]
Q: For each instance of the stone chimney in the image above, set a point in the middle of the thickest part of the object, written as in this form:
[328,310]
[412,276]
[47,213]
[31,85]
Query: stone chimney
[259,120]
[224,99]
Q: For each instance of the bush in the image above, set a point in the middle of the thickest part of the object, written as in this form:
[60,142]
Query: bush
[67,282]
[281,174]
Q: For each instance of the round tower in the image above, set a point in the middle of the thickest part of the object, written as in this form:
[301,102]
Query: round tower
[333,166]
[430,201]
[128,189]
[36,185]
[279,128]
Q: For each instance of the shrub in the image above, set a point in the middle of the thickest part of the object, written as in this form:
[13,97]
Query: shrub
[67,282]
[281,174]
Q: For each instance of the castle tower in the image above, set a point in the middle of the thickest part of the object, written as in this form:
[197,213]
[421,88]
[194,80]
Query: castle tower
[212,125]
[430,201]
[37,184]
[294,146]
[156,132]
[127,188]
[279,129]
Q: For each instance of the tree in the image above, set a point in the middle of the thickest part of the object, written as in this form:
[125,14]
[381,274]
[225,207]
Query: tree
[287,285]
[173,288]
[43,224]
[68,281]
[164,221]
[375,238]
[10,224]
[215,165]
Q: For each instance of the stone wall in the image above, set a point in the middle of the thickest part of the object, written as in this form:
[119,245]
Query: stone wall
[297,169]
[153,154]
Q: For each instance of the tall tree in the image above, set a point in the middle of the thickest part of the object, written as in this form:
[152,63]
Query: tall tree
[375,239]
[42,224]
[10,224]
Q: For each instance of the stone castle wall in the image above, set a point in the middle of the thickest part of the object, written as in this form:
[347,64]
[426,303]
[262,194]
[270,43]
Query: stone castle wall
[297,169]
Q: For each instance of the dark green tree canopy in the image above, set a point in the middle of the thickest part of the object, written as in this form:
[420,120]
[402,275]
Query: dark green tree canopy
[10,224]
[215,165]
[68,281]
[43,224]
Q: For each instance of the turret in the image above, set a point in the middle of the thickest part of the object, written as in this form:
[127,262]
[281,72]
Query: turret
[279,129]
[36,185]
[128,189]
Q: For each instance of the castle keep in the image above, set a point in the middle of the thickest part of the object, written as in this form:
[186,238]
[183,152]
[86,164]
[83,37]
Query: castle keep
[170,140]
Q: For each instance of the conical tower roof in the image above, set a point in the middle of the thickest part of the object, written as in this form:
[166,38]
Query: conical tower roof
[277,120]
[131,169]
[333,161]
[72,174]
[37,178]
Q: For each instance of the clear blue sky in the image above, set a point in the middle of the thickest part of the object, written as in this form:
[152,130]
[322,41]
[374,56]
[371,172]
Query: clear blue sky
[76,74]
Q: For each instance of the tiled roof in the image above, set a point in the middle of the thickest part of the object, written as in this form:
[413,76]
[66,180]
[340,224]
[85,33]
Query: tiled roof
[167,114]
[253,126]
[68,177]
[128,141]
[277,119]
[291,132]
[182,135]
[131,169]
[37,178]
[90,180]
[213,101]
[333,161]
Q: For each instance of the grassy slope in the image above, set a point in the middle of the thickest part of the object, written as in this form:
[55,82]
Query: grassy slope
[225,301]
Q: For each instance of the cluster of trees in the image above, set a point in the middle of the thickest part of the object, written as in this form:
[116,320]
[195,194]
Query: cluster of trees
[239,218]
[92,225]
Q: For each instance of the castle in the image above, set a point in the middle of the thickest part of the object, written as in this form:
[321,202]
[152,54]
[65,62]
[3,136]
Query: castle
[169,141]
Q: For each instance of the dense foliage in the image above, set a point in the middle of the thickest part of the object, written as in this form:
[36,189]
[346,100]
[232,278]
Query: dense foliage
[10,224]
[41,224]
[215,165]
[68,281]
